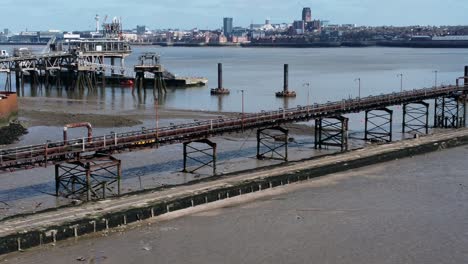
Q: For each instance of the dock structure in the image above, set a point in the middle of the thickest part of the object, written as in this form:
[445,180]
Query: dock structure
[331,131]
[286,92]
[76,63]
[87,64]
[220,90]
[150,66]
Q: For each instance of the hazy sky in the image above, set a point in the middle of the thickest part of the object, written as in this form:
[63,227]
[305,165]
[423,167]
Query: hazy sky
[79,14]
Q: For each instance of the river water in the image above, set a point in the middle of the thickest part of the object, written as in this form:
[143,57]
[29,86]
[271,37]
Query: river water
[331,74]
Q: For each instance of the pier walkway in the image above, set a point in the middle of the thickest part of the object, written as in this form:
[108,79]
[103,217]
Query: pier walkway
[52,153]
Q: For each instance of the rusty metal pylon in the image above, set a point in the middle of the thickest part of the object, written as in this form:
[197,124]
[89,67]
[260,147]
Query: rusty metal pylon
[270,142]
[331,132]
[93,178]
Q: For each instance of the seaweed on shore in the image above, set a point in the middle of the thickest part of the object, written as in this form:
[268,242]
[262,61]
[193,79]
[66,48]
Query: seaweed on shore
[11,133]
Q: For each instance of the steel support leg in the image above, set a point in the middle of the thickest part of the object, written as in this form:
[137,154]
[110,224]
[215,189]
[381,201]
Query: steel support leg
[378,125]
[450,112]
[205,160]
[140,80]
[331,132]
[415,118]
[270,142]
[90,179]
[112,64]
[17,81]
[8,82]
[57,180]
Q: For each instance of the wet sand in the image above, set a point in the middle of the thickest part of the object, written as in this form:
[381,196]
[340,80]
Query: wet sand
[40,111]
[408,211]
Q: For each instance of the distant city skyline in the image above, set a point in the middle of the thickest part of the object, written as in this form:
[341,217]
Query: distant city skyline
[17,15]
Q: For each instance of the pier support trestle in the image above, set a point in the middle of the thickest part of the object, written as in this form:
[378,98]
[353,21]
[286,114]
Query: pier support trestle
[7,81]
[270,141]
[159,83]
[331,132]
[150,65]
[86,79]
[140,80]
[415,118]
[450,112]
[93,178]
[207,159]
[378,125]
[19,80]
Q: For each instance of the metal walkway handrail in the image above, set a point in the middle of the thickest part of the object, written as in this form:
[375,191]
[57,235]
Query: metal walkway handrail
[58,152]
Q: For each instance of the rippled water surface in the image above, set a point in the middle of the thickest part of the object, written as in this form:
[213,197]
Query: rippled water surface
[331,74]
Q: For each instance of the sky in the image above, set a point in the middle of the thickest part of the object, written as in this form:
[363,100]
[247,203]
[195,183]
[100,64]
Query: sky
[69,15]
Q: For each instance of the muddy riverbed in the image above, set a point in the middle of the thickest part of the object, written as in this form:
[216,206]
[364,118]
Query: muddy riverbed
[40,111]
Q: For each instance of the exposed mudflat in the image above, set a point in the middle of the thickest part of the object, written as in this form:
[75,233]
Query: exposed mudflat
[48,118]
[41,111]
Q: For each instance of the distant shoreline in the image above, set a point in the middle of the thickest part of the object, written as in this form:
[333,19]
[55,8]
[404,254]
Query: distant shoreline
[321,44]
[21,44]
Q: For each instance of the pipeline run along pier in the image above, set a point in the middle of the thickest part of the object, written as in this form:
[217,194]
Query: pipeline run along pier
[85,168]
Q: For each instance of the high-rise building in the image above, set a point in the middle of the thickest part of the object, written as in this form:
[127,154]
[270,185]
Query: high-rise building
[299,26]
[141,30]
[227,26]
[6,31]
[306,14]
[315,24]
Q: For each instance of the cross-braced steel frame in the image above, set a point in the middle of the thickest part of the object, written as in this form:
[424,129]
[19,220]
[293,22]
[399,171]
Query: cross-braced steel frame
[331,132]
[416,118]
[378,125]
[270,142]
[190,150]
[57,63]
[450,112]
[91,179]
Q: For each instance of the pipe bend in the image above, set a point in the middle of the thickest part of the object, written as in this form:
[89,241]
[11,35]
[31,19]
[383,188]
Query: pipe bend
[76,125]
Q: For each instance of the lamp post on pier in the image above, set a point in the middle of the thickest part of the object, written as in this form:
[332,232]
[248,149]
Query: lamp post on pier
[359,87]
[401,81]
[156,102]
[436,72]
[242,92]
[308,94]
